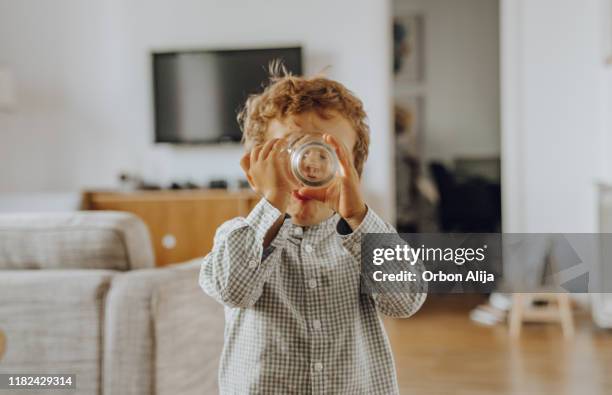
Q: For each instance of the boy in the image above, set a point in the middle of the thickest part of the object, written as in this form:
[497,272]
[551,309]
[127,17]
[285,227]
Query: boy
[289,272]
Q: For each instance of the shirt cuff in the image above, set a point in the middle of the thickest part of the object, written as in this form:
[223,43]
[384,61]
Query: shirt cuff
[262,217]
[371,223]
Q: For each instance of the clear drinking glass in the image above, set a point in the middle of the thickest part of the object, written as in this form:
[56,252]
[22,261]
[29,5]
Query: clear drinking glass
[313,162]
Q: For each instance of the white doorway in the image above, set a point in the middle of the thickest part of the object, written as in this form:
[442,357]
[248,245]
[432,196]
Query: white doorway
[447,112]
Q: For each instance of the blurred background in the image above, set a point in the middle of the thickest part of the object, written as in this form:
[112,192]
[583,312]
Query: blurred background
[486,116]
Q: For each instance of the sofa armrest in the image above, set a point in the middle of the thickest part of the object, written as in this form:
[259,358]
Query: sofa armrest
[103,240]
[163,335]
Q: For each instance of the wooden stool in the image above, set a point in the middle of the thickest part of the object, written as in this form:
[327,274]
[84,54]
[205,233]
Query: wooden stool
[558,310]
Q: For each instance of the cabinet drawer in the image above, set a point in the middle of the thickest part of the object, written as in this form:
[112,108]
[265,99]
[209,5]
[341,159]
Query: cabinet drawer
[182,226]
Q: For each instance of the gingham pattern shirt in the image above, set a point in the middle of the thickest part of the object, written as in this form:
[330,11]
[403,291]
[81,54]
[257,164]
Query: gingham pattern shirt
[295,319]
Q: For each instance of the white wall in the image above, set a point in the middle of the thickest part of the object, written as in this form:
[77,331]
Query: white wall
[556,141]
[82,72]
[461,87]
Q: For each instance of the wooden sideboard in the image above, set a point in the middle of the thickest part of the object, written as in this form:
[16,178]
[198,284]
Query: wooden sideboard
[181,223]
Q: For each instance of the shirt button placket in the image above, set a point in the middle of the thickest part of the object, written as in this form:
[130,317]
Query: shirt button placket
[314,313]
[318,386]
[306,258]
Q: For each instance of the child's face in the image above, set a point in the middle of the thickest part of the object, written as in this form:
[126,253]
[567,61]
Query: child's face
[304,211]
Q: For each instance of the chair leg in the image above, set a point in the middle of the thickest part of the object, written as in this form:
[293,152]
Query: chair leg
[565,315]
[516,315]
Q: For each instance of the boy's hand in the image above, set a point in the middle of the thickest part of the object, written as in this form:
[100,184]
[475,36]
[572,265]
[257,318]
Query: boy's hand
[343,195]
[267,169]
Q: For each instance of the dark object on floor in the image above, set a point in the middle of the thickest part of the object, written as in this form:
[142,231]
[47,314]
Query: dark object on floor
[473,205]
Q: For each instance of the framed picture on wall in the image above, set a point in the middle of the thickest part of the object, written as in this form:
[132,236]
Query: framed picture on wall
[410,122]
[409,48]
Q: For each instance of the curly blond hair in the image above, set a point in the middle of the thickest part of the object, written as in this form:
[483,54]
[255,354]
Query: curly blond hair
[287,94]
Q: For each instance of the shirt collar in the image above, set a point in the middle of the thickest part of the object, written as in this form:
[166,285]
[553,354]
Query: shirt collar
[320,230]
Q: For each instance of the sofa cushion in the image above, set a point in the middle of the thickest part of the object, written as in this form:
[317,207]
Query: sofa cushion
[52,320]
[74,240]
[163,335]
[174,304]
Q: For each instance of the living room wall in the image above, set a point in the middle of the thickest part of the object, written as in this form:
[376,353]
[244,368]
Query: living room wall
[556,128]
[82,72]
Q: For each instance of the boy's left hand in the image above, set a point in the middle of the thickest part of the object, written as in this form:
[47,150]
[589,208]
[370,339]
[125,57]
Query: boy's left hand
[344,194]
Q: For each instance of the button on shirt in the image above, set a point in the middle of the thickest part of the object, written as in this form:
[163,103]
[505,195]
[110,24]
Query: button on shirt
[296,321]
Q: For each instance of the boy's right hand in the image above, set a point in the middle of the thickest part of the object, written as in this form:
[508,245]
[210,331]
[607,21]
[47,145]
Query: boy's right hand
[267,169]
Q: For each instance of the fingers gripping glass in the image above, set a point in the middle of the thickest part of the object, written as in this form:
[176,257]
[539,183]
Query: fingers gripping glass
[313,162]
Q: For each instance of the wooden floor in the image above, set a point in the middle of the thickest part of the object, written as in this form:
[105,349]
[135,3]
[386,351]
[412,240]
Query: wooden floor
[440,351]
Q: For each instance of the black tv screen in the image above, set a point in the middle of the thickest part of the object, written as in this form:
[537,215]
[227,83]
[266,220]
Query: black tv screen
[197,94]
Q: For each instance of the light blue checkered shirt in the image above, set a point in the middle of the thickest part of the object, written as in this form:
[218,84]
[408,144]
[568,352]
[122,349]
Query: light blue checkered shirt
[296,321]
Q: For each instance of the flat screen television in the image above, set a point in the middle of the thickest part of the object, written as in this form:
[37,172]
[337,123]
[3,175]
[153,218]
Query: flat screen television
[197,94]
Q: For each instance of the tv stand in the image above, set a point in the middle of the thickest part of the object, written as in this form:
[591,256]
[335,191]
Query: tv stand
[182,223]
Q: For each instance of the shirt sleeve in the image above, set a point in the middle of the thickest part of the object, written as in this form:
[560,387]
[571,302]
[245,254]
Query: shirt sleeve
[235,271]
[395,303]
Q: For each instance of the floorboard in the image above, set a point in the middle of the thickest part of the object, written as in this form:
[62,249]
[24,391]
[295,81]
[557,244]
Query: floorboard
[440,351]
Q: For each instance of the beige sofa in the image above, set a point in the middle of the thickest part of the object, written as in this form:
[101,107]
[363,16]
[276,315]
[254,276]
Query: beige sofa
[79,294]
